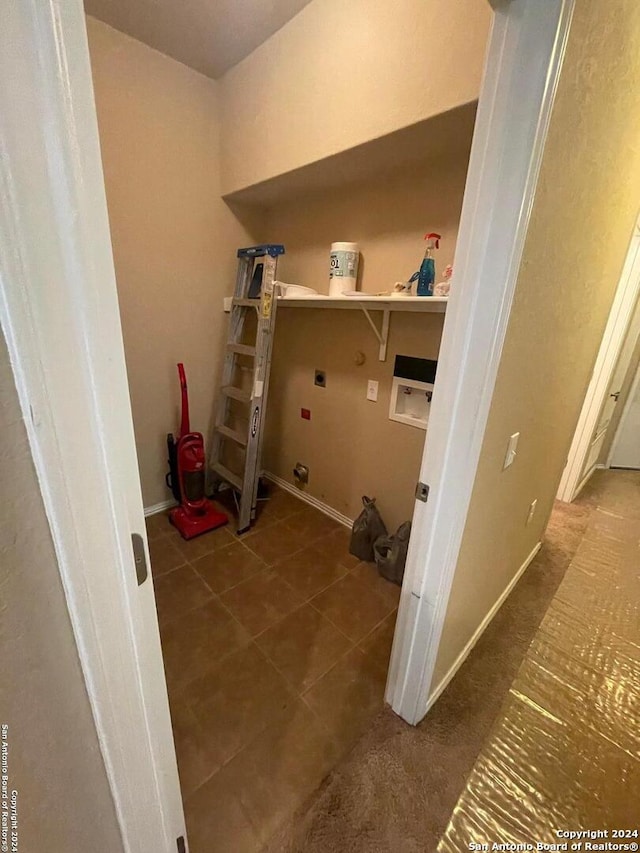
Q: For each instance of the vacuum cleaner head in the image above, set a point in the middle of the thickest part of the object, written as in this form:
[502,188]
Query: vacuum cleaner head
[190,524]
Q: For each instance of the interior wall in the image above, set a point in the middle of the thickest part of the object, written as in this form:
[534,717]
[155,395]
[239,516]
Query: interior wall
[350,445]
[54,759]
[582,219]
[174,239]
[287,104]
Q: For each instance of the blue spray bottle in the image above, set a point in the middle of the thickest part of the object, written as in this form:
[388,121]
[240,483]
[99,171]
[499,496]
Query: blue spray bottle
[427,274]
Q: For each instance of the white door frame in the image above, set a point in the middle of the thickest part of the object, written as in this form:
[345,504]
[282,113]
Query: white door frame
[59,314]
[523,65]
[624,302]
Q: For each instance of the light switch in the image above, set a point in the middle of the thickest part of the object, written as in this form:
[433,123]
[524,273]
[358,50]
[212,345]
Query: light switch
[511,450]
[372,390]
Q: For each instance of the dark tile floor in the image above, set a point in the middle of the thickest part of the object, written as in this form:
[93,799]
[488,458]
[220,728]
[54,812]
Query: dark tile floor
[276,647]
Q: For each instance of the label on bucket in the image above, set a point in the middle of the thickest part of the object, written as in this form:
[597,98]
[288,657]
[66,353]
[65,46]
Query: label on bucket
[343,265]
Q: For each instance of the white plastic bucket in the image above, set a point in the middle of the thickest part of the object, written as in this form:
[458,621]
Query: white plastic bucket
[343,268]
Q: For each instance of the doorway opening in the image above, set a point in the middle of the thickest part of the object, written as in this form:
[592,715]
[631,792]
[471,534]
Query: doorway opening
[605,436]
[276,643]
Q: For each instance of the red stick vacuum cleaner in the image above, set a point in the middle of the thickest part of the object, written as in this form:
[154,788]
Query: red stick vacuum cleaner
[196,514]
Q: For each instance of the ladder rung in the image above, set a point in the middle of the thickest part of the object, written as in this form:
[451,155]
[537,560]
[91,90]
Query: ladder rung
[228,475]
[234,435]
[245,303]
[236,393]
[242,349]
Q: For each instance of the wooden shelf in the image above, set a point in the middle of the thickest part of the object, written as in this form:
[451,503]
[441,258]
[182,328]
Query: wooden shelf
[365,303]
[370,302]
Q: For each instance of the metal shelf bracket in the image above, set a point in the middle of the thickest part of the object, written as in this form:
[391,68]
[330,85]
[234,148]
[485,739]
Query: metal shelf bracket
[382,334]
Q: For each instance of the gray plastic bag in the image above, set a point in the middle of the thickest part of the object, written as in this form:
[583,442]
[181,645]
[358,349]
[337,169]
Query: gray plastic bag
[367,527]
[391,553]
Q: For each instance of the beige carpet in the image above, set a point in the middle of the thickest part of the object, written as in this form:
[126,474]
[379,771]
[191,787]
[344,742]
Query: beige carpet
[564,754]
[396,790]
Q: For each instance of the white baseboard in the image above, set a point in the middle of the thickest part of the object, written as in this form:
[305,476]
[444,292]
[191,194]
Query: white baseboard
[435,694]
[288,487]
[156,508]
[325,508]
[586,479]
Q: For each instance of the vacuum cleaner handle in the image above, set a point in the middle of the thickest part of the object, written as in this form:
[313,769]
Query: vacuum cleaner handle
[184,420]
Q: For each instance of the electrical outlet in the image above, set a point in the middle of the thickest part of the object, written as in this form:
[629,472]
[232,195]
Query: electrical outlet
[320,378]
[532,510]
[510,456]
[372,390]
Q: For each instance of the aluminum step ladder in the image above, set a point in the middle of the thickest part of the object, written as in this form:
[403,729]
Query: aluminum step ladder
[236,449]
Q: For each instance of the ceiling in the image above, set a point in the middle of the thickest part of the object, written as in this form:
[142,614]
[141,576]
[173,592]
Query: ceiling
[208,35]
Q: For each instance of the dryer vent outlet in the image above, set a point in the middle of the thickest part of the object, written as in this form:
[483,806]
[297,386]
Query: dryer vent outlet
[301,474]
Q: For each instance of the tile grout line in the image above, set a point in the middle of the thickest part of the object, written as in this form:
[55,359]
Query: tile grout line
[168,571]
[297,551]
[269,524]
[328,618]
[228,653]
[253,640]
[164,624]
[308,600]
[265,567]
[296,693]
[233,586]
[323,730]
[354,645]
[380,623]
[332,667]
[331,622]
[169,536]
[218,598]
[315,681]
[235,619]
[255,735]
[271,567]
[301,695]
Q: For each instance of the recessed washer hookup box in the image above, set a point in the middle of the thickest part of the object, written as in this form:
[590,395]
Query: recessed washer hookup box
[411,390]
[420,369]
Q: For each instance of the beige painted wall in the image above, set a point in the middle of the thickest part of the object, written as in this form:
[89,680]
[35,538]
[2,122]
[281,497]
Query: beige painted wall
[55,764]
[174,239]
[589,187]
[335,77]
[350,444]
